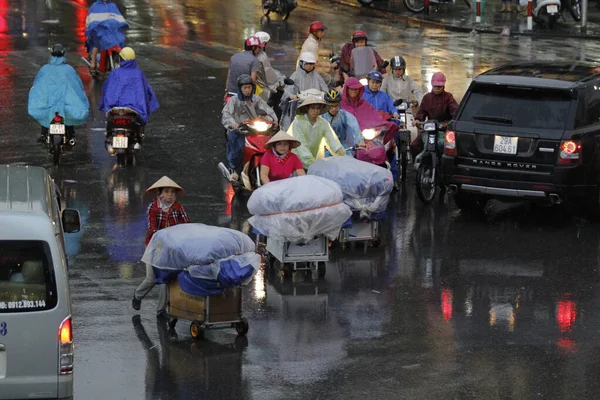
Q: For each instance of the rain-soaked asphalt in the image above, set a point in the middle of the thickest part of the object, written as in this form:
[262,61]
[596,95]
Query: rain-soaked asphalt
[451,306]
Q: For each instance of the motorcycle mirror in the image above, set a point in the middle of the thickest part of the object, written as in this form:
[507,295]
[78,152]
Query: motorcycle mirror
[385,64]
[398,102]
[288,81]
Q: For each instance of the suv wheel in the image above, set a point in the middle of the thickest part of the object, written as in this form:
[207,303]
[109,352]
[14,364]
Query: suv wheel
[469,202]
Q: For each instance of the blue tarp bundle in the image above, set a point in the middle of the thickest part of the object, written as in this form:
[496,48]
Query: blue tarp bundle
[105,26]
[205,259]
[58,88]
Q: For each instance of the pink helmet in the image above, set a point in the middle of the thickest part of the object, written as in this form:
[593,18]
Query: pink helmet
[253,41]
[438,79]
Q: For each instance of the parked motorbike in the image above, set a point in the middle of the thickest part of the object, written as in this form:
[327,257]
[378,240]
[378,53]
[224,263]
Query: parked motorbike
[405,135]
[547,12]
[417,6]
[59,138]
[124,134]
[257,133]
[428,177]
[283,8]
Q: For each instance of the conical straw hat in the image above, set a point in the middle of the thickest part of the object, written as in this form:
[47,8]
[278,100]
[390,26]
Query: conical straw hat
[165,181]
[281,136]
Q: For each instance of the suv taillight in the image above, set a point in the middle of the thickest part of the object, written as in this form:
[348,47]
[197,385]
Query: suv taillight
[450,143]
[65,347]
[570,152]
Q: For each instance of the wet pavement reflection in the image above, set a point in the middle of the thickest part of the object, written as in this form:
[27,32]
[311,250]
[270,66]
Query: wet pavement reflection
[497,305]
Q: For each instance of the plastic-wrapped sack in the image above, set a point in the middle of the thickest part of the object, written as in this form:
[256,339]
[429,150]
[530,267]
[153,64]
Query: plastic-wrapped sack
[366,187]
[298,209]
[205,252]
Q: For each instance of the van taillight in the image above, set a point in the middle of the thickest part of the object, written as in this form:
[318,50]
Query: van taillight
[570,152]
[450,143]
[65,347]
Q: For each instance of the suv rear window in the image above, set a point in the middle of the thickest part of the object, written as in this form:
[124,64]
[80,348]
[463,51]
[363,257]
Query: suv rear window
[515,106]
[27,281]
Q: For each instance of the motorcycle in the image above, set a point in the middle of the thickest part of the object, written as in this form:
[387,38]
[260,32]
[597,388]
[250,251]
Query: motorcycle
[107,61]
[405,135]
[417,6]
[362,62]
[282,8]
[376,148]
[124,134]
[257,133]
[428,178]
[547,12]
[59,138]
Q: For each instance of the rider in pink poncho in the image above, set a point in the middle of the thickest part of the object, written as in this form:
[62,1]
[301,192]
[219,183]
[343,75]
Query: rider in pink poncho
[365,113]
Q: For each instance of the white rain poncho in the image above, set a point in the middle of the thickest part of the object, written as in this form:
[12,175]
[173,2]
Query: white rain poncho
[366,187]
[202,250]
[298,209]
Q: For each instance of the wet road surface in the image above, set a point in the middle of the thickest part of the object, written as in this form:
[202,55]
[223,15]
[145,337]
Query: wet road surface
[450,306]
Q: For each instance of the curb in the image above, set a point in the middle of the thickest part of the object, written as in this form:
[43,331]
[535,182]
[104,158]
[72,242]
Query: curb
[465,29]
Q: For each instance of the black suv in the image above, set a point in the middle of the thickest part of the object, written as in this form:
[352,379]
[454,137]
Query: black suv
[527,130]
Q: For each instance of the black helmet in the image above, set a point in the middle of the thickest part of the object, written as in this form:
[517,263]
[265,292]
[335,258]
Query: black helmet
[398,63]
[244,79]
[332,96]
[58,50]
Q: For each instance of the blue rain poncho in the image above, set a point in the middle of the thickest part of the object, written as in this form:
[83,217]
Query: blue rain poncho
[127,87]
[105,26]
[58,88]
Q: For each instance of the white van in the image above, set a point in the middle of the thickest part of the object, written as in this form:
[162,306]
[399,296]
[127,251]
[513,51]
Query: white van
[36,338]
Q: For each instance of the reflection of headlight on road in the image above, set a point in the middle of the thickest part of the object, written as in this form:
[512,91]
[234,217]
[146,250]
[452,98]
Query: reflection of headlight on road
[259,284]
[121,196]
[369,134]
[260,126]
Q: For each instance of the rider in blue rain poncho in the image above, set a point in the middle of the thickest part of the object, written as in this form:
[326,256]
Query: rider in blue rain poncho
[127,87]
[58,89]
[104,28]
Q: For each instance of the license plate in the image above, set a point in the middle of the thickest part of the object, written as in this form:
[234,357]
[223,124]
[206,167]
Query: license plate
[57,129]
[553,9]
[505,144]
[120,142]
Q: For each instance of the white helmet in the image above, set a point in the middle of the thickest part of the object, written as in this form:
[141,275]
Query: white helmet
[263,36]
[308,57]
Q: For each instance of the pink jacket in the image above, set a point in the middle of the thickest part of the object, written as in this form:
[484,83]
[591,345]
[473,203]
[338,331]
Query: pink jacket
[365,113]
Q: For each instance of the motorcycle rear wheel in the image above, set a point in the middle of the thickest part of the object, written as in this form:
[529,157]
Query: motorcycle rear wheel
[415,6]
[56,154]
[426,190]
[284,10]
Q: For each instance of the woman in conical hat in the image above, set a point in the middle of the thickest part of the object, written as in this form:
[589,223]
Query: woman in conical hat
[279,162]
[164,211]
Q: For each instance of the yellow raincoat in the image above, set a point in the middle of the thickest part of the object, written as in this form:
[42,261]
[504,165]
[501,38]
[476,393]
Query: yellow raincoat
[314,138]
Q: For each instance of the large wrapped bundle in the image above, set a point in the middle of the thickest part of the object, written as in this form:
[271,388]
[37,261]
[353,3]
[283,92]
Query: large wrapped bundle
[223,257]
[366,187]
[298,209]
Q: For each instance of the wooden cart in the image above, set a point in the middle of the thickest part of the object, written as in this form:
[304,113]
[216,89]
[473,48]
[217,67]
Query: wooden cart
[218,311]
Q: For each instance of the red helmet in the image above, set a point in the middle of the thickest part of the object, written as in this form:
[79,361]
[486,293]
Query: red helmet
[359,35]
[317,26]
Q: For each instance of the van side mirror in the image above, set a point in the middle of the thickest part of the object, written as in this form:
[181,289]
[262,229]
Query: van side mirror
[71,221]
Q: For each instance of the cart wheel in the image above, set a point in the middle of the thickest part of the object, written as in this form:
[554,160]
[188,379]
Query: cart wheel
[196,330]
[242,326]
[172,323]
[322,269]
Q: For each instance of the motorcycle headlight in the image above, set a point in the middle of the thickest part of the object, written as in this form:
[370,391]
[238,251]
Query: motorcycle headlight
[402,107]
[369,134]
[364,81]
[260,126]
[428,127]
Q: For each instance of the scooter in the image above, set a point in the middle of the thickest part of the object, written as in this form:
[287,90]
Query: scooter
[428,176]
[546,12]
[283,8]
[124,134]
[257,133]
[406,135]
[59,138]
[376,148]
[417,6]
[107,61]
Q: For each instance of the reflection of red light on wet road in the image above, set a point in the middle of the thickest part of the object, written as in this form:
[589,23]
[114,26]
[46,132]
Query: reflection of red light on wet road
[447,304]
[3,12]
[566,314]
[229,199]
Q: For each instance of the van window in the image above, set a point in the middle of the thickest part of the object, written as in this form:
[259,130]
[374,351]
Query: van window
[27,281]
[519,107]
